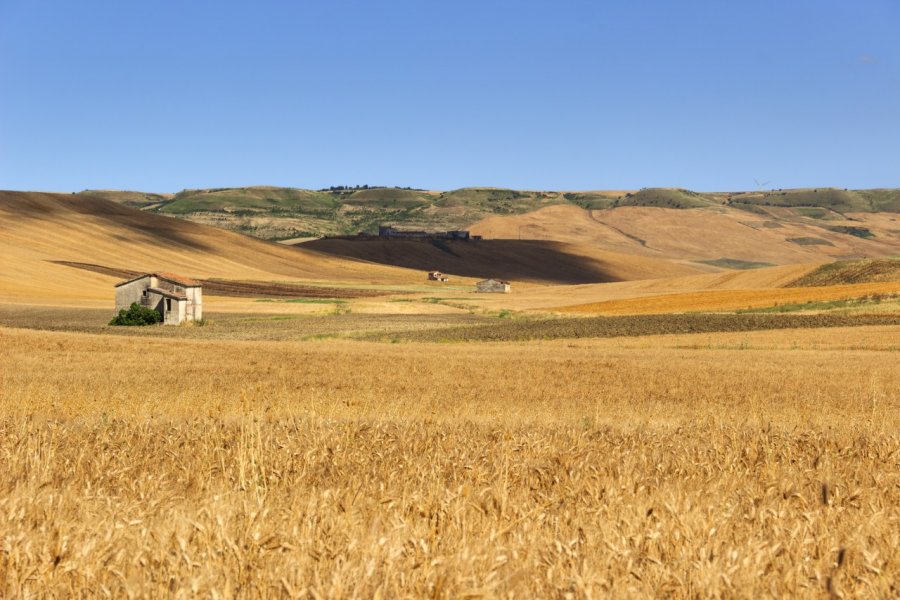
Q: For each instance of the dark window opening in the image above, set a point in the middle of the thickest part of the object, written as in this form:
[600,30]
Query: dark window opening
[168,304]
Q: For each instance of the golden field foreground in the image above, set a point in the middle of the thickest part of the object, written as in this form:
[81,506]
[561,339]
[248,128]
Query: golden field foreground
[741,464]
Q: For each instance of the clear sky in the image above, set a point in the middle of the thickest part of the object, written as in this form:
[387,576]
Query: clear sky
[163,95]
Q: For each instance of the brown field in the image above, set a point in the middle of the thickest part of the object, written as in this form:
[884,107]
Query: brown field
[336,447]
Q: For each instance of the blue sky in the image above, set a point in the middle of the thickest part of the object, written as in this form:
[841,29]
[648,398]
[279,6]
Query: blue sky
[165,95]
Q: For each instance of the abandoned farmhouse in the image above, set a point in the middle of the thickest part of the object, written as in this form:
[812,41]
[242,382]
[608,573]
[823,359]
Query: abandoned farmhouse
[388,232]
[176,298]
[493,285]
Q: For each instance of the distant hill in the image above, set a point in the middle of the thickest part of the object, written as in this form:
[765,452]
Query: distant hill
[282,213]
[838,200]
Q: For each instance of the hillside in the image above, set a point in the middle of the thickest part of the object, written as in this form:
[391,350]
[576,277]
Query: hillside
[718,236]
[38,228]
[142,200]
[851,272]
[277,213]
[520,260]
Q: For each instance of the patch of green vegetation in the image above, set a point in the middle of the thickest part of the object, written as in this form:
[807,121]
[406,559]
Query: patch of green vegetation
[821,305]
[665,198]
[882,200]
[750,208]
[860,232]
[394,198]
[734,263]
[814,212]
[136,316]
[590,200]
[832,199]
[252,199]
[809,241]
[843,272]
[485,201]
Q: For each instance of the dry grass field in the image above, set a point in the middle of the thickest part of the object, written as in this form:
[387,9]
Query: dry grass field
[731,465]
[729,300]
[338,447]
[699,234]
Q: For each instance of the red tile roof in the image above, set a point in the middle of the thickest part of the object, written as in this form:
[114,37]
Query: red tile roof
[177,279]
[174,278]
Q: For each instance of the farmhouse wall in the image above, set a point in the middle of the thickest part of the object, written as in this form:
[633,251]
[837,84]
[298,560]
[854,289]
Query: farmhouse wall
[194,303]
[131,292]
[153,292]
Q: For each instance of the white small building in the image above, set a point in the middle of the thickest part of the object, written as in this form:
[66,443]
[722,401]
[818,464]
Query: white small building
[493,285]
[176,298]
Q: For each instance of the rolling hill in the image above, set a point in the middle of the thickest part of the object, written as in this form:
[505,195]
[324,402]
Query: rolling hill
[37,229]
[719,236]
[284,213]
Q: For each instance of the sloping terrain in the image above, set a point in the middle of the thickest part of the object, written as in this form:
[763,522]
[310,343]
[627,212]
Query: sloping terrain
[142,200]
[519,260]
[284,213]
[850,272]
[552,297]
[731,300]
[37,228]
[717,235]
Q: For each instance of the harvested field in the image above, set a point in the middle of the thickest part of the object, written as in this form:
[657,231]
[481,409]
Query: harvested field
[355,469]
[730,300]
[247,289]
[508,330]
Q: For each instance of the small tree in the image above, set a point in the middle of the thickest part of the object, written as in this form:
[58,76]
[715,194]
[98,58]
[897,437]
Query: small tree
[137,315]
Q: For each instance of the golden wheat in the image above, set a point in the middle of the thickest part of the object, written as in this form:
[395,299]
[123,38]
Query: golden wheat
[723,465]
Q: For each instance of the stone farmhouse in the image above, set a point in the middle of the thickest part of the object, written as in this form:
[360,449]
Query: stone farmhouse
[388,232]
[176,298]
[493,285]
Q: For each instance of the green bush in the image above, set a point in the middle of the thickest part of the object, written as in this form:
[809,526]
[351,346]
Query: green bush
[137,315]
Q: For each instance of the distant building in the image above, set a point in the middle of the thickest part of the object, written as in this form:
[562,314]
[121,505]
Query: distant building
[176,298]
[388,232]
[437,276]
[493,285]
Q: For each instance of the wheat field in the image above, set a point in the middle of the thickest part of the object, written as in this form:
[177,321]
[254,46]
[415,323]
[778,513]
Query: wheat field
[718,465]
